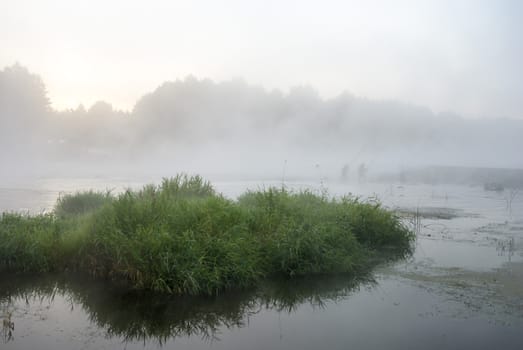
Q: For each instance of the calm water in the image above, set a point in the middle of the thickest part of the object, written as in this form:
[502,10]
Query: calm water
[463,288]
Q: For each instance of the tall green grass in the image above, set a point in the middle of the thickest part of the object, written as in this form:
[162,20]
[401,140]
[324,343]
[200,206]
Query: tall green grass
[182,237]
[80,203]
[28,243]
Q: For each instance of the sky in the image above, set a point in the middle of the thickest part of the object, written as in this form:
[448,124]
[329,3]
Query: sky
[462,55]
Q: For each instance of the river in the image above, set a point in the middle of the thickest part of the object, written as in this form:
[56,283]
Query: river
[462,288]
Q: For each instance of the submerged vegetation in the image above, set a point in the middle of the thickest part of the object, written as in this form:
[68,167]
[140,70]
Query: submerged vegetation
[182,237]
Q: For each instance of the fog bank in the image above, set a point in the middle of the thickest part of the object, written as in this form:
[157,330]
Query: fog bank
[231,128]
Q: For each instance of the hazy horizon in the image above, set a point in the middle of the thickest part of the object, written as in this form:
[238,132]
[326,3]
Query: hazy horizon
[237,129]
[258,89]
[460,56]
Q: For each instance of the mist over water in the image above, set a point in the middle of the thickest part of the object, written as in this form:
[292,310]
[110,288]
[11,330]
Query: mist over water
[231,128]
[324,128]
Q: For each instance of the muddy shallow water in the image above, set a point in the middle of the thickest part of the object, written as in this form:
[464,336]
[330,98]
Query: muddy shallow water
[462,288]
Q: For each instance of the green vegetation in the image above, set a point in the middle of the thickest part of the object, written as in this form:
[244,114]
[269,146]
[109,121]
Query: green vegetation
[80,203]
[182,237]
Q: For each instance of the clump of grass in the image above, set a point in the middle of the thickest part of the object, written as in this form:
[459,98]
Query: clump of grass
[80,203]
[373,226]
[183,185]
[182,245]
[300,233]
[182,237]
[28,243]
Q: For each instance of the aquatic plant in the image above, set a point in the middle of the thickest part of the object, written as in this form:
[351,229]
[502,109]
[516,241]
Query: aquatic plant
[80,203]
[182,237]
[28,243]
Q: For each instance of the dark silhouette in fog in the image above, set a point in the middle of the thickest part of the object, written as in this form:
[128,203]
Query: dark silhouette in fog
[232,126]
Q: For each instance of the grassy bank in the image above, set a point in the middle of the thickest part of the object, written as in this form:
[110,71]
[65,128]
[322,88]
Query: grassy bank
[182,237]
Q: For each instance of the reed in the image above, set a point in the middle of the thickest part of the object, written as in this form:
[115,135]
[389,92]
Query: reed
[182,237]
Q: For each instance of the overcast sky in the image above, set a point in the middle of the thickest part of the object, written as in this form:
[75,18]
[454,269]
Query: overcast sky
[462,56]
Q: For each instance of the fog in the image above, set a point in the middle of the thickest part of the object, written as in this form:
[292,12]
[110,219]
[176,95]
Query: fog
[272,89]
[463,56]
[238,130]
[369,147]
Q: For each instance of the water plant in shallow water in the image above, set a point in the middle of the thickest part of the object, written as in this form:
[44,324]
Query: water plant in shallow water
[182,237]
[80,203]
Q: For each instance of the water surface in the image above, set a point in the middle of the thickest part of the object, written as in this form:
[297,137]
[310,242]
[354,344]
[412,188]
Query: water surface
[462,288]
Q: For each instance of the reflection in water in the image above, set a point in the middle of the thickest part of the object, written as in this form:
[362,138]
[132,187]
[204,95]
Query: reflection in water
[8,326]
[506,247]
[462,289]
[144,316]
